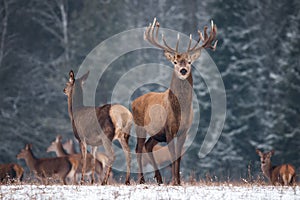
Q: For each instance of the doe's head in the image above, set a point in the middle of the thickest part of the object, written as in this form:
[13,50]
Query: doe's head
[265,158]
[73,85]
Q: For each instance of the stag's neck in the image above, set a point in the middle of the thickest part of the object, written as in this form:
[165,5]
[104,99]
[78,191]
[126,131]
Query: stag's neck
[182,90]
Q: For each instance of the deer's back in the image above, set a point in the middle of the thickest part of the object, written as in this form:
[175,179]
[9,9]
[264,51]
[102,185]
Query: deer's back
[50,166]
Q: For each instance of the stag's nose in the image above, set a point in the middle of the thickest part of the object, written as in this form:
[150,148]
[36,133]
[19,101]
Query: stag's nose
[183,71]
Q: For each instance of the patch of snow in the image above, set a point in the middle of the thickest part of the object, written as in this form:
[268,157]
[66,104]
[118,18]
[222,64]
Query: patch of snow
[148,192]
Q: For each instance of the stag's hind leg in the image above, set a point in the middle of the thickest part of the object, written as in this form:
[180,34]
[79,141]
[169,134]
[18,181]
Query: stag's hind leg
[149,148]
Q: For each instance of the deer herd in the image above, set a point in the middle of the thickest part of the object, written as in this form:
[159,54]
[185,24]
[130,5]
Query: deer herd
[157,117]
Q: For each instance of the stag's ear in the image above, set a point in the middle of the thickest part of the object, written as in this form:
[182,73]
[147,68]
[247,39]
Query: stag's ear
[71,76]
[169,56]
[84,77]
[272,152]
[195,55]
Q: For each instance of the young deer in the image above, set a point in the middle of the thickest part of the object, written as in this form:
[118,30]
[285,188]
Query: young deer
[97,126]
[70,149]
[283,174]
[57,147]
[45,168]
[169,114]
[10,173]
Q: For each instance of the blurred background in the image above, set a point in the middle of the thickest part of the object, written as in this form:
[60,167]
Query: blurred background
[258,56]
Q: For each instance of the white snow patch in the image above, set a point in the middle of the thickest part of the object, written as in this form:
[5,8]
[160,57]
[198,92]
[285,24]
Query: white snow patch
[148,192]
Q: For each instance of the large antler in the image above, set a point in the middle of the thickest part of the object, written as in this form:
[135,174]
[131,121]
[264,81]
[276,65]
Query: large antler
[207,41]
[153,39]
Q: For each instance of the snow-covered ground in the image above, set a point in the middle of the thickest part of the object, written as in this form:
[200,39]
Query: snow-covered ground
[148,192]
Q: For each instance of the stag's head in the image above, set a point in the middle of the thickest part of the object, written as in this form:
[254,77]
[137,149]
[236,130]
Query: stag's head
[73,86]
[265,158]
[182,61]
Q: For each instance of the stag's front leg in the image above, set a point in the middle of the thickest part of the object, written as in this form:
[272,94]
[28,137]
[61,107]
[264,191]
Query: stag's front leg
[83,160]
[141,137]
[179,151]
[171,147]
[124,143]
[149,148]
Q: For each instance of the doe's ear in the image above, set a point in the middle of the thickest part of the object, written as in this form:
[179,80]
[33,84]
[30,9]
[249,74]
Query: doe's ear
[195,55]
[272,152]
[58,138]
[84,77]
[71,76]
[169,56]
[28,146]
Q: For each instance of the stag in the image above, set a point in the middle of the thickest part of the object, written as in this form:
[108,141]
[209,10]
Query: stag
[97,126]
[169,114]
[284,174]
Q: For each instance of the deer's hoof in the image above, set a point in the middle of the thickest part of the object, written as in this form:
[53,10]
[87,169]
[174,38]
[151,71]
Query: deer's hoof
[142,180]
[104,183]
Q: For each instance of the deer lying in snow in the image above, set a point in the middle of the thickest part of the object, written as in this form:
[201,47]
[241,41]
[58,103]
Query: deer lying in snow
[45,168]
[10,173]
[57,147]
[283,174]
[97,126]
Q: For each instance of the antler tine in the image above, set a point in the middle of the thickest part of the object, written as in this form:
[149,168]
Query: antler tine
[152,37]
[190,42]
[177,44]
[207,39]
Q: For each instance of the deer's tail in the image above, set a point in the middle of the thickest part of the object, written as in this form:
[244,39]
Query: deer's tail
[287,172]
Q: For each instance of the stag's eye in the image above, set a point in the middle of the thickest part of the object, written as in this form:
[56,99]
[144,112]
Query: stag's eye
[175,62]
[189,62]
